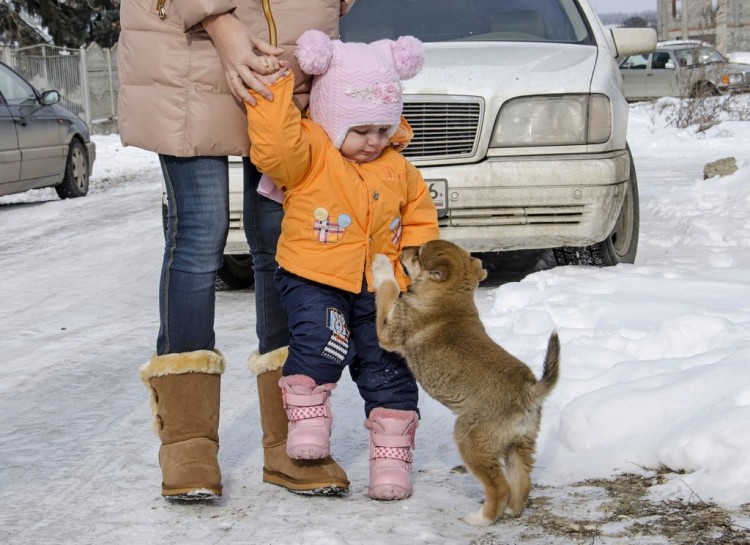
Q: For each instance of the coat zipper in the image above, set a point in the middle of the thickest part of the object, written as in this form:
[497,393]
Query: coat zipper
[161,9]
[272,39]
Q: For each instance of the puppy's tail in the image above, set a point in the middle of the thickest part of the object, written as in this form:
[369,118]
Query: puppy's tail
[551,367]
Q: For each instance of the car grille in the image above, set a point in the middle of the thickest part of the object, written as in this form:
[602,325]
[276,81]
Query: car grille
[443,129]
[513,215]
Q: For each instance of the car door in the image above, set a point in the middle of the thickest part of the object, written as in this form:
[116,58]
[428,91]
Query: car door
[661,76]
[10,155]
[633,71]
[38,129]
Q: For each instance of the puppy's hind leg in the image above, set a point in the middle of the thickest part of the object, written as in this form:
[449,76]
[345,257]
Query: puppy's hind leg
[484,463]
[519,461]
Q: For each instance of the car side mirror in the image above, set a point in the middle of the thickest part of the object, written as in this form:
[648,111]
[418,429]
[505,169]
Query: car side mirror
[633,41]
[50,97]
[669,65]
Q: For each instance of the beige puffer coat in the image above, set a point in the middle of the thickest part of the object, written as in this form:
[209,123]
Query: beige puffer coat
[174,98]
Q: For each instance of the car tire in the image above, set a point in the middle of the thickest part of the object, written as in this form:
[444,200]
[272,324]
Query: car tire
[622,243]
[509,265]
[704,89]
[236,273]
[76,178]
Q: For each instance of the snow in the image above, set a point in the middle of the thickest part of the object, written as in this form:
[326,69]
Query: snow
[655,369]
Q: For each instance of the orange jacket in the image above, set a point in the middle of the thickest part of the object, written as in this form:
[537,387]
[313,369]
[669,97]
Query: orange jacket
[337,213]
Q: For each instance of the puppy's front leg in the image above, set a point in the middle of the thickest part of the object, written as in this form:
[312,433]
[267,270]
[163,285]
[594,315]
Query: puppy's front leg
[386,295]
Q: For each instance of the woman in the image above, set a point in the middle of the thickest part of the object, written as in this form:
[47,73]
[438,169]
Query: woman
[184,72]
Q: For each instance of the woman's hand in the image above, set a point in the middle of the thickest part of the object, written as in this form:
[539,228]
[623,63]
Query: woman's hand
[268,79]
[236,47]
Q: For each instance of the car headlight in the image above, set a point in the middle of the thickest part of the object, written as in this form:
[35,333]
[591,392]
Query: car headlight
[733,79]
[553,121]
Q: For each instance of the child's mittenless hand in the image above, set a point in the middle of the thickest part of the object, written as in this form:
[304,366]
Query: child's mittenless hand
[382,270]
[268,79]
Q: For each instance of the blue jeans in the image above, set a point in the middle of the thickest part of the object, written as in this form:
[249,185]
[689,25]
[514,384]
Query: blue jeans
[332,329]
[262,221]
[197,190]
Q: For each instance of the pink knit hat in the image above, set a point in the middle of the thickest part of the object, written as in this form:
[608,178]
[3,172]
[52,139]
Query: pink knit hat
[355,83]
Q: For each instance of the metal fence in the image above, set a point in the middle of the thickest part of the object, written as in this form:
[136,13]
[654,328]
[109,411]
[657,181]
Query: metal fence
[86,78]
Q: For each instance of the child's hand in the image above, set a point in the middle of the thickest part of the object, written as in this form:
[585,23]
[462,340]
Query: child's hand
[269,64]
[268,79]
[382,271]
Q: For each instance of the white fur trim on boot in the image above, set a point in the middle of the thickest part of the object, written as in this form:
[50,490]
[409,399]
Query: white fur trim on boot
[270,361]
[210,362]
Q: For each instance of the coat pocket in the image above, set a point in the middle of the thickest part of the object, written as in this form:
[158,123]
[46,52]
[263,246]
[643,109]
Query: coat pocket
[330,228]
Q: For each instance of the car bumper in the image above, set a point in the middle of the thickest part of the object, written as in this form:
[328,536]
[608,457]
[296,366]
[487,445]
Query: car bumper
[236,239]
[91,153]
[534,202]
[734,89]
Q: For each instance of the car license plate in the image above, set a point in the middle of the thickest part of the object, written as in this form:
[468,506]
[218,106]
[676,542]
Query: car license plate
[438,189]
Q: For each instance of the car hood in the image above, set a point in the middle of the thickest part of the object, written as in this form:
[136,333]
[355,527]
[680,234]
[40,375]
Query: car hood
[737,67]
[504,69]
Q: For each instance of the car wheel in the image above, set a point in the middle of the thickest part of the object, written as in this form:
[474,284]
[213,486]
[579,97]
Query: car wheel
[236,273]
[510,265]
[76,179]
[704,89]
[164,215]
[622,243]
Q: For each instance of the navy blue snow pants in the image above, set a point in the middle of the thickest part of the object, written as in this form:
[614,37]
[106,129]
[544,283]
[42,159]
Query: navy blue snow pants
[331,328]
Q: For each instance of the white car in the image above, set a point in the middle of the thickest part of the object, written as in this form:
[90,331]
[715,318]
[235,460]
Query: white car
[519,122]
[682,68]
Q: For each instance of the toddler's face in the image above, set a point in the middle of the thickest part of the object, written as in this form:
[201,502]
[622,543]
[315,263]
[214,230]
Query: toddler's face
[365,143]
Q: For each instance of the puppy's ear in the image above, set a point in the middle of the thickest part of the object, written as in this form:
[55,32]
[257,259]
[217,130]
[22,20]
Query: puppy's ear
[438,268]
[478,270]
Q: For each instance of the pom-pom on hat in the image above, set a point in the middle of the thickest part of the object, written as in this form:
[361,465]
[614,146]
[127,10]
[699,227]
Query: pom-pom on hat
[355,83]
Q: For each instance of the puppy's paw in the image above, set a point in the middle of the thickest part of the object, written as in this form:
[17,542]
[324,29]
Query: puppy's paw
[478,519]
[382,270]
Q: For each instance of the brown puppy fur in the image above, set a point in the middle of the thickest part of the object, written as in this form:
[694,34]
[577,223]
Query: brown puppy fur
[496,398]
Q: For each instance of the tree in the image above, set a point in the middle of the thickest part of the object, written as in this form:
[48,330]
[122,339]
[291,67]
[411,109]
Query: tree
[74,23]
[14,31]
[635,22]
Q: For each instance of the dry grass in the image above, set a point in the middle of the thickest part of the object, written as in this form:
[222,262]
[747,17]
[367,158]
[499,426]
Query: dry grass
[619,511]
[694,522]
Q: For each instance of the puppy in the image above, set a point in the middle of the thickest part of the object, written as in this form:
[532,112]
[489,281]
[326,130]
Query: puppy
[497,401]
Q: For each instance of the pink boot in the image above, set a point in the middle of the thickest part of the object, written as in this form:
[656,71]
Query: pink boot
[391,443]
[308,409]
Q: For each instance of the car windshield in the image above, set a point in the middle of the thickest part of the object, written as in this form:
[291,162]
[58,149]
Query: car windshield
[467,20]
[698,56]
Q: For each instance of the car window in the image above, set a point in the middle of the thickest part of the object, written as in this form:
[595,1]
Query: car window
[659,60]
[708,55]
[635,62]
[696,56]
[685,57]
[14,89]
[475,20]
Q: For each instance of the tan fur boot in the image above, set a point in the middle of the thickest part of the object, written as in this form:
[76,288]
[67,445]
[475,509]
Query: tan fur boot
[185,391]
[316,477]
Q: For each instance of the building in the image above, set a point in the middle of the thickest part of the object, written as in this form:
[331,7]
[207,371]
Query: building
[724,23]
